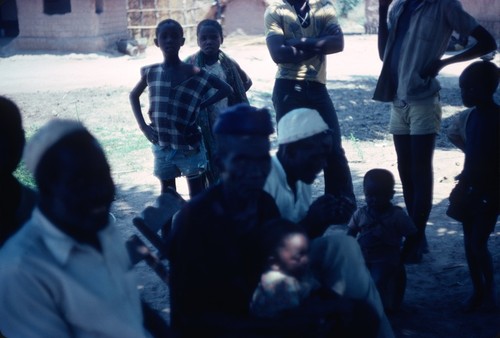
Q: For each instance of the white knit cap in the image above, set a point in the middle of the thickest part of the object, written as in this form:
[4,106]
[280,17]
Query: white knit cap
[299,124]
[45,138]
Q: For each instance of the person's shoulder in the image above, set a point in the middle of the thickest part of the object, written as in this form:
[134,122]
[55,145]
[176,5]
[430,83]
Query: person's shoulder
[227,57]
[152,66]
[191,59]
[203,202]
[22,250]
[273,5]
[397,211]
[156,67]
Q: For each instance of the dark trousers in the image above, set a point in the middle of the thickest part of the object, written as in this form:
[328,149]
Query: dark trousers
[290,94]
[415,153]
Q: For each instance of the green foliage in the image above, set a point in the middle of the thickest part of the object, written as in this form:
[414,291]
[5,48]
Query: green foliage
[344,6]
[116,145]
[24,176]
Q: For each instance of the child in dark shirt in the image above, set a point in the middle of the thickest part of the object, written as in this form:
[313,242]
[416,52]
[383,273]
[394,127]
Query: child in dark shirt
[177,92]
[475,201]
[214,61]
[380,227]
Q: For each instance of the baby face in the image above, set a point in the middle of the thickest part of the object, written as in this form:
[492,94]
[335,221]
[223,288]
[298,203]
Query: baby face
[293,255]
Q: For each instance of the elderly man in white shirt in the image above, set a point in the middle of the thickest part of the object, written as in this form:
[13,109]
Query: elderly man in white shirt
[305,142]
[336,260]
[67,273]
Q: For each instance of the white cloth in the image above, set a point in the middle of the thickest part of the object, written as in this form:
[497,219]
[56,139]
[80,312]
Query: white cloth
[299,124]
[275,293]
[292,206]
[53,286]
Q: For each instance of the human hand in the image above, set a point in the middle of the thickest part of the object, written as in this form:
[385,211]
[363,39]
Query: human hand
[432,69]
[150,134]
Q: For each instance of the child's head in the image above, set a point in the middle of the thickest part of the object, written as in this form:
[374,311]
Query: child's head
[11,136]
[286,247]
[378,186]
[478,82]
[210,37]
[169,36]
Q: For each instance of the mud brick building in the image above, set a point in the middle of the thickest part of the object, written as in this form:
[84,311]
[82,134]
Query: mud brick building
[65,25]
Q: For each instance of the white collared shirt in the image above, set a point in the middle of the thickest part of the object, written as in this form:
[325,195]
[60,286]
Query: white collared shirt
[53,286]
[292,206]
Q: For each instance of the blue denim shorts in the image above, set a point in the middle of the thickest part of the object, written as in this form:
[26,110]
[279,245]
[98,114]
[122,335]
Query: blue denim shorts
[171,163]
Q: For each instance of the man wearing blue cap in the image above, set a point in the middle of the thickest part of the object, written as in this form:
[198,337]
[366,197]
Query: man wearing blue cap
[214,269]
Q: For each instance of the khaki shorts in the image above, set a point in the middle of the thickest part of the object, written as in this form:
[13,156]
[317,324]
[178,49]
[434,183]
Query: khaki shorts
[415,118]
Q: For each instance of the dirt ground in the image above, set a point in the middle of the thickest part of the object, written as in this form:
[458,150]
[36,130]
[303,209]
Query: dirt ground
[94,89]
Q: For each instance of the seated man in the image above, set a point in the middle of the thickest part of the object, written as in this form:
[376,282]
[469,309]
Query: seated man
[305,141]
[16,200]
[66,273]
[336,260]
[213,265]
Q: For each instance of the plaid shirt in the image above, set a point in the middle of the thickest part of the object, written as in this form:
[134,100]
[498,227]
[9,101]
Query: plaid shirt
[173,110]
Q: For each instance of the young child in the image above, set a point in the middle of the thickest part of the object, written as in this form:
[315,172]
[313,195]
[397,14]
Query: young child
[380,227]
[216,62]
[285,284]
[475,201]
[177,92]
[16,200]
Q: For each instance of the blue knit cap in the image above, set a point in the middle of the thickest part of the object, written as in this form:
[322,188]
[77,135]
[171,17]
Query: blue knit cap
[243,119]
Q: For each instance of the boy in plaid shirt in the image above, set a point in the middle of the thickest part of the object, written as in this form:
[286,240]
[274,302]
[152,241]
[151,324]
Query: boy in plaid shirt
[176,95]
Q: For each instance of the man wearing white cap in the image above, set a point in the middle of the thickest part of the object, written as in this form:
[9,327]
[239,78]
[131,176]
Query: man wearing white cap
[66,273]
[336,260]
[299,36]
[305,141]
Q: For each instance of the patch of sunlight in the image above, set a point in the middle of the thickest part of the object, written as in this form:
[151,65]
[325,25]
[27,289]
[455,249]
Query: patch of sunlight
[445,231]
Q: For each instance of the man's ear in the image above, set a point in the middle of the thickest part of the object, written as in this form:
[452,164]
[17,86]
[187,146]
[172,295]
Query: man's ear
[156,42]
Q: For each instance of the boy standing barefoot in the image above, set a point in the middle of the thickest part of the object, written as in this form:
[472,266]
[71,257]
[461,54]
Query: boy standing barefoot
[176,95]
[475,201]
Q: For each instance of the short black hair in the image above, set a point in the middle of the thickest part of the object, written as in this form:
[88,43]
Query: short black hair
[210,23]
[169,22]
[484,74]
[60,156]
[383,177]
[12,133]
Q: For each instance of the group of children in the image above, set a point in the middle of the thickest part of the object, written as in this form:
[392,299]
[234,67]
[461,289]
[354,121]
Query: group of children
[185,99]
